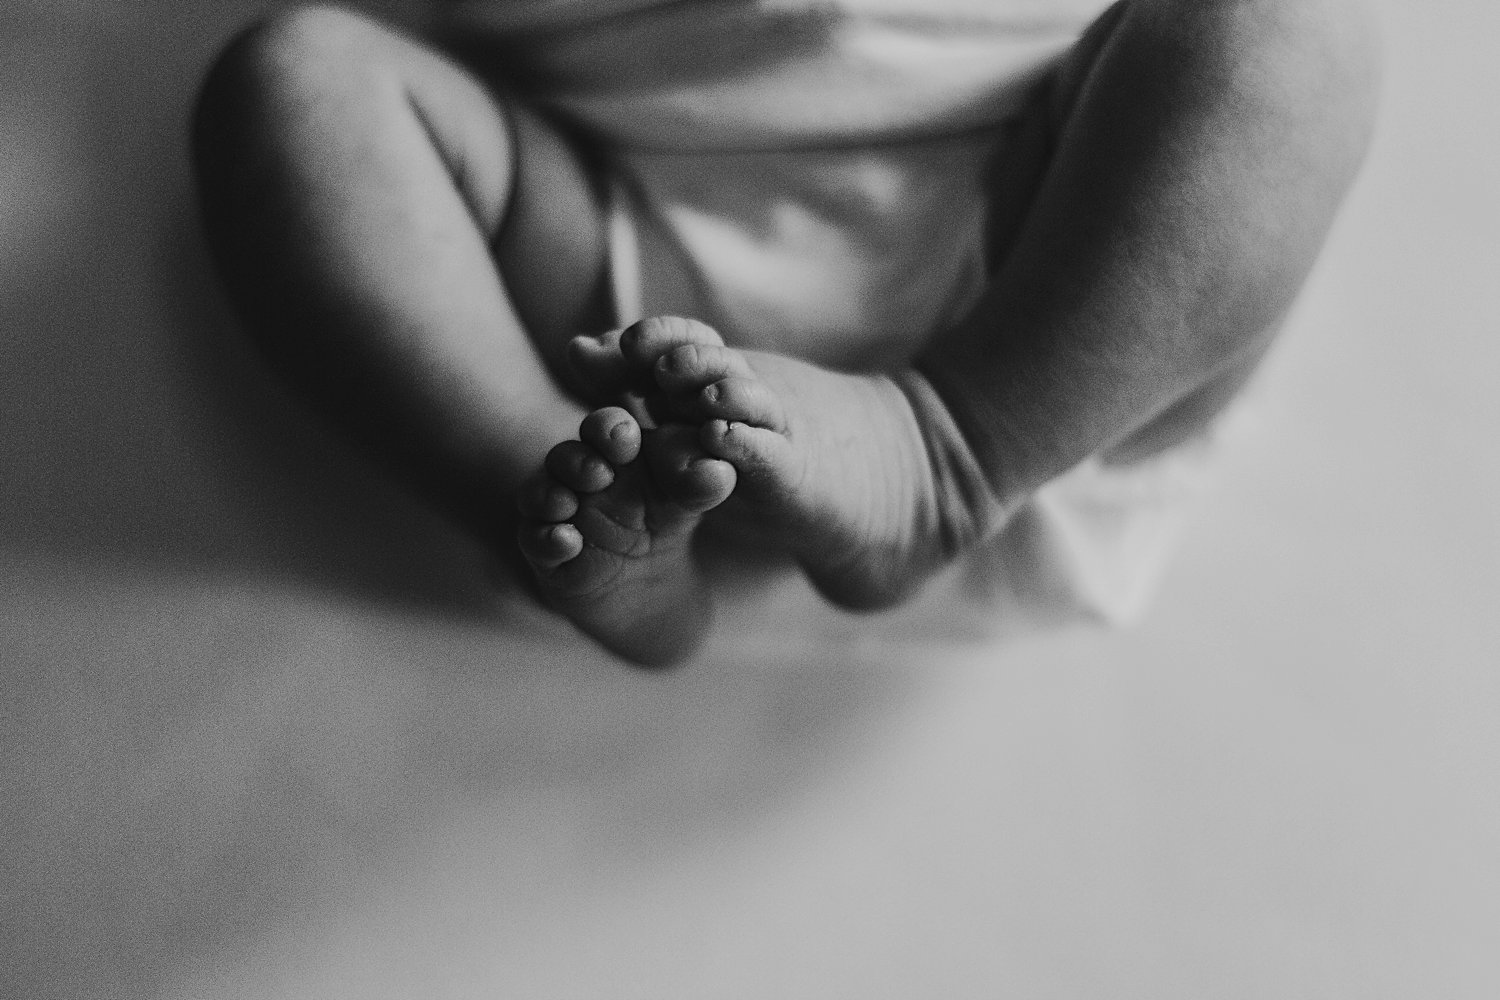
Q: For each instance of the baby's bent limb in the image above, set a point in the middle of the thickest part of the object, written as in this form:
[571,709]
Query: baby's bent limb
[837,469]
[1203,149]
[363,196]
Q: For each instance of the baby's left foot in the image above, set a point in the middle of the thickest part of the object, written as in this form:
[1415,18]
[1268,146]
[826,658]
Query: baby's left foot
[837,468]
[607,527]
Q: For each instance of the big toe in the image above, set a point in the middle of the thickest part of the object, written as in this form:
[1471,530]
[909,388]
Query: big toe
[643,342]
[683,473]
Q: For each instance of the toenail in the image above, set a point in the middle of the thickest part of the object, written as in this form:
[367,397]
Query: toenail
[711,394]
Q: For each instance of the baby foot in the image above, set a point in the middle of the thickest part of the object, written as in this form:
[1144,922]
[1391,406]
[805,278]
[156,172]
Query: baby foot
[607,525]
[870,497]
[606,375]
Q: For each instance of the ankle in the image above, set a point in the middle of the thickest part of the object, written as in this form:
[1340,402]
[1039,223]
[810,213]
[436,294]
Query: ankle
[966,507]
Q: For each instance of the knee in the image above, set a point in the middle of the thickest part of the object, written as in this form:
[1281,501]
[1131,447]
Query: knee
[278,66]
[297,44]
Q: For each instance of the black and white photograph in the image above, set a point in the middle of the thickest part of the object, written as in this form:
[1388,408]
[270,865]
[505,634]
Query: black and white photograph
[742,499]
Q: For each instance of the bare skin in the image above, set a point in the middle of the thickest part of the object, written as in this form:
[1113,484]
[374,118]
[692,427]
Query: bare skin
[840,470]
[410,251]
[607,527]
[831,467]
[417,253]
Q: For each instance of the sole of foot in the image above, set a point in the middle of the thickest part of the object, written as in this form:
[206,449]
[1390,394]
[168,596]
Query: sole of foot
[832,466]
[607,527]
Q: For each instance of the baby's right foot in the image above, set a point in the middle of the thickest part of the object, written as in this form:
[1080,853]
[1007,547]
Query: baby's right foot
[607,527]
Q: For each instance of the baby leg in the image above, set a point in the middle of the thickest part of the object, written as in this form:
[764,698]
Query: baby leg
[1199,153]
[413,253]
[410,251]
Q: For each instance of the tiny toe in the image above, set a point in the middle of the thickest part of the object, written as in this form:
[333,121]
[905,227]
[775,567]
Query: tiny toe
[599,363]
[743,400]
[684,473]
[543,499]
[547,546]
[579,467]
[645,341]
[690,367]
[755,452]
[613,433]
